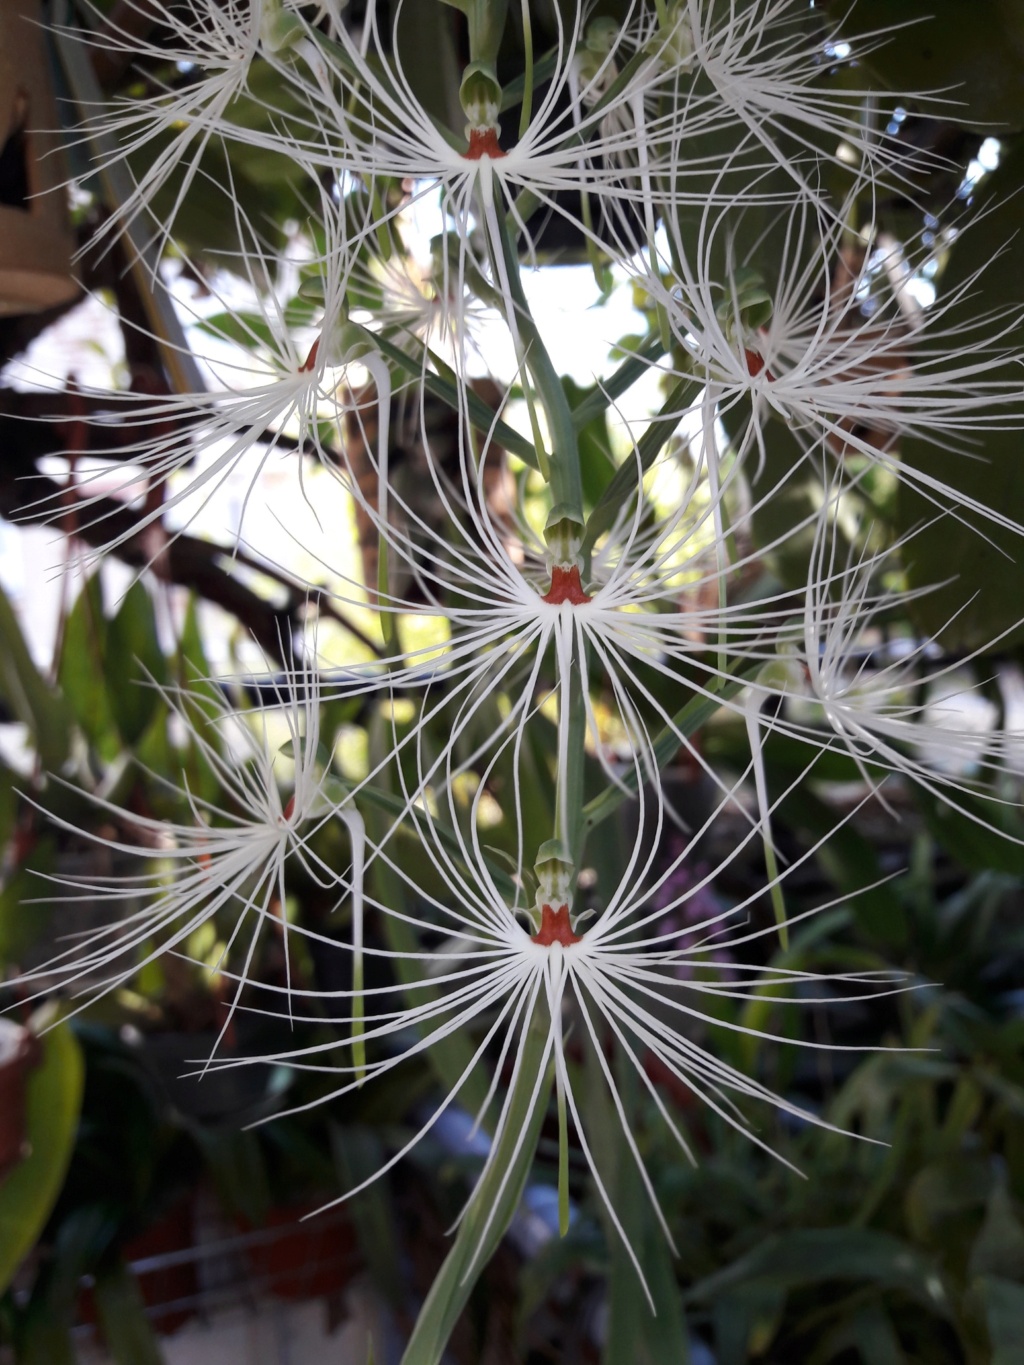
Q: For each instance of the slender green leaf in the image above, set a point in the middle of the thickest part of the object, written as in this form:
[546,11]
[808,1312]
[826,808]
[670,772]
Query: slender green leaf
[357,1153]
[30,700]
[235,1160]
[745,1321]
[869,1332]
[45,1342]
[810,1256]
[945,1198]
[30,1191]
[634,1332]
[461,400]
[597,402]
[1003,1306]
[687,721]
[851,862]
[133,661]
[999,1247]
[999,849]
[624,485]
[81,673]
[122,1313]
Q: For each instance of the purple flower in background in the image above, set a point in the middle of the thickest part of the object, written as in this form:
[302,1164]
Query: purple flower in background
[700,907]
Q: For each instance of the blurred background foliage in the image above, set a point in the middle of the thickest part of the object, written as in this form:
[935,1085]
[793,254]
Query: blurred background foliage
[903,1246]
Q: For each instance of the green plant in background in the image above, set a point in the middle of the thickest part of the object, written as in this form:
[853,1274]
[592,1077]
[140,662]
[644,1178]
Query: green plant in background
[919,1242]
[624,698]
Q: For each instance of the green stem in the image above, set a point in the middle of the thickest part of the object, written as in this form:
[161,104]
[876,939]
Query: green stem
[486,293]
[356,827]
[386,802]
[778,900]
[514,91]
[572,724]
[127,1331]
[565,478]
[563,1164]
[493,1203]
[752,717]
[385,615]
[486,25]
[526,112]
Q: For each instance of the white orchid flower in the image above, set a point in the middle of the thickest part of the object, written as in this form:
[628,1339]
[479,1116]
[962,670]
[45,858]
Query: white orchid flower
[804,351]
[615,978]
[228,860]
[284,398]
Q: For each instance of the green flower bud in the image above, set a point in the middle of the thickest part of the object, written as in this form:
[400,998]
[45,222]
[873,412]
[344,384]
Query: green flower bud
[480,95]
[592,56]
[311,289]
[345,341]
[601,36]
[780,675]
[279,29]
[554,869]
[748,305]
[564,539]
[673,44]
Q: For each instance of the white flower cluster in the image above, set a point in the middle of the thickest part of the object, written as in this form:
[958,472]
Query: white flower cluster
[580,639]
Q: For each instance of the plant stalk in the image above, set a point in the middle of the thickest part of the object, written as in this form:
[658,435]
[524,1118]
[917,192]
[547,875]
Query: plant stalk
[494,1200]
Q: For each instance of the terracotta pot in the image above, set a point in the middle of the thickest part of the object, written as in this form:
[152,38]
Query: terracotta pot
[301,1260]
[19,1052]
[162,1259]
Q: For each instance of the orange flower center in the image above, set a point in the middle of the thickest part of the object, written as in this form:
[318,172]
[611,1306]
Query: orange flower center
[555,927]
[755,364]
[483,142]
[565,587]
[311,358]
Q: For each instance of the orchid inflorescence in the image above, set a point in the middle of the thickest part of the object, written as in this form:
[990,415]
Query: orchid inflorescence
[558,648]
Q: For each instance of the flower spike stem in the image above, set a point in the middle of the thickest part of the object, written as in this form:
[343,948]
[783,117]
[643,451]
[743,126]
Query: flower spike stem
[357,834]
[572,725]
[527,109]
[752,712]
[494,1200]
[565,478]
[563,1162]
[486,26]
[445,385]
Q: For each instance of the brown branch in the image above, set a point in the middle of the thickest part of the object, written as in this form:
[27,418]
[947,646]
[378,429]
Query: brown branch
[29,498]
